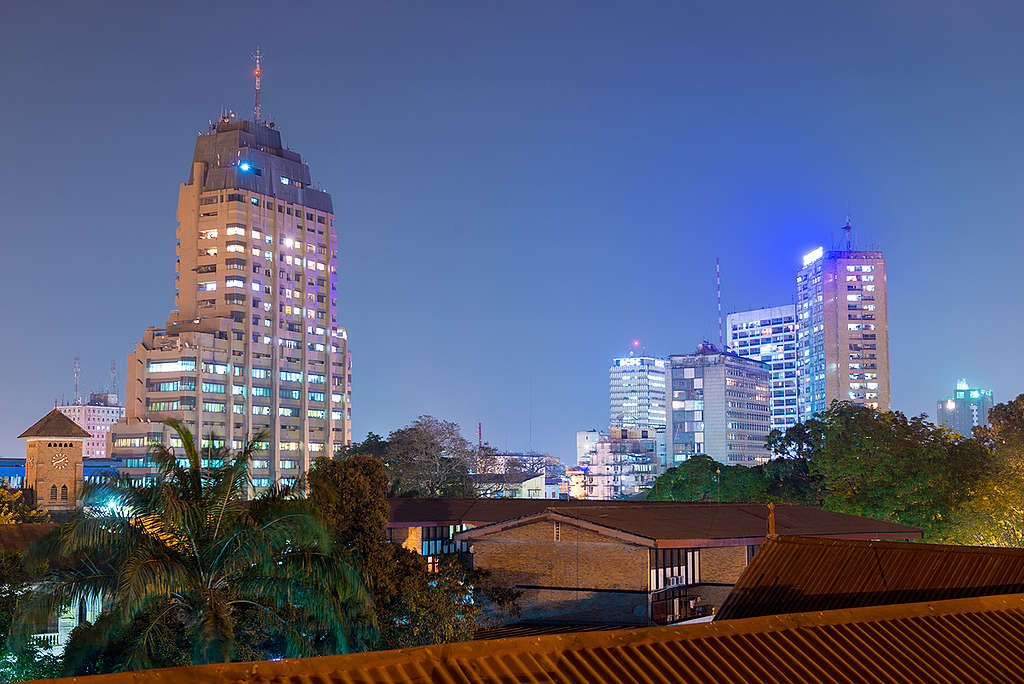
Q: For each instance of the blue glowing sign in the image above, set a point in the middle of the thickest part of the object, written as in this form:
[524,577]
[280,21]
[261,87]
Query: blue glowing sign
[244,166]
[811,257]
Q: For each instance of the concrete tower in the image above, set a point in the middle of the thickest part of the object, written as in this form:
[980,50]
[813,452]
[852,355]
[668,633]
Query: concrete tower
[253,348]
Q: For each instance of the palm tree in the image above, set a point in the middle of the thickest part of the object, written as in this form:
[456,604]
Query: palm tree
[191,550]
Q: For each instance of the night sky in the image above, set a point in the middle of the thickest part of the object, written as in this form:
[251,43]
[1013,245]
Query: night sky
[523,187]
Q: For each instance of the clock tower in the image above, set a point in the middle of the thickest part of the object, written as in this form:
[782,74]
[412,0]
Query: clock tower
[53,462]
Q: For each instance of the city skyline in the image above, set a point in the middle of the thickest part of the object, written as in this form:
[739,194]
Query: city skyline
[447,187]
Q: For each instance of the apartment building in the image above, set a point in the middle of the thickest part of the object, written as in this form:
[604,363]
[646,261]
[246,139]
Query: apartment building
[769,335]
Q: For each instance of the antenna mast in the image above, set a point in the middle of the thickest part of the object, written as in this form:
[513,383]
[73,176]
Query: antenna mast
[257,110]
[718,290]
[113,377]
[78,373]
[849,231]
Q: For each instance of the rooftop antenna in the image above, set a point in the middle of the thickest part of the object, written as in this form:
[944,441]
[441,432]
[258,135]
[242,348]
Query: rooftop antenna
[849,230]
[113,377]
[78,374]
[257,110]
[718,290]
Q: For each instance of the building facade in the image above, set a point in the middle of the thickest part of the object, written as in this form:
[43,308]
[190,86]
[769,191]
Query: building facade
[637,392]
[843,331]
[102,411]
[967,409]
[253,350]
[625,463]
[769,335]
[719,407]
[53,463]
[586,446]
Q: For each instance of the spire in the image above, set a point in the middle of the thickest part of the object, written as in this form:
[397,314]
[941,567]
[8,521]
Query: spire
[257,110]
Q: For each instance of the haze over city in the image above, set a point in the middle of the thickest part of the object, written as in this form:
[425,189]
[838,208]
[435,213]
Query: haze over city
[523,190]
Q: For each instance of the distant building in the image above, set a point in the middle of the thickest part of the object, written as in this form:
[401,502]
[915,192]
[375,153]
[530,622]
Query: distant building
[843,334]
[102,410]
[769,335]
[511,486]
[586,446]
[637,392]
[625,463]
[967,409]
[719,407]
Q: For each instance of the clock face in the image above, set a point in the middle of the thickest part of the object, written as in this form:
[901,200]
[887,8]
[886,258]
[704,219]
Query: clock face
[60,461]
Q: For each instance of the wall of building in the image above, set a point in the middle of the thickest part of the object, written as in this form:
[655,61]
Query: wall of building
[722,564]
[582,576]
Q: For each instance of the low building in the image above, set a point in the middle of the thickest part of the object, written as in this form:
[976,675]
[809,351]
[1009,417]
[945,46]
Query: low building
[642,562]
[511,485]
[53,463]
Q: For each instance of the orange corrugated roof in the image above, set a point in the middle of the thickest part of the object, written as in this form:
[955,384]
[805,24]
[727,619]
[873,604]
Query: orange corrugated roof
[795,575]
[978,639]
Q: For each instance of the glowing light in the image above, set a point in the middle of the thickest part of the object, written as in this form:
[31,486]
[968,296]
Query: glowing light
[245,166]
[811,257]
[962,384]
[950,405]
[636,343]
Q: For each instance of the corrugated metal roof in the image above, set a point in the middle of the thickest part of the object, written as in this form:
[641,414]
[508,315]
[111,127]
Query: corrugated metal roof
[977,639]
[795,575]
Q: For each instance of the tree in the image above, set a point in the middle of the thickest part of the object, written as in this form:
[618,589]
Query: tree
[992,513]
[190,553]
[14,509]
[413,606]
[702,478]
[429,458]
[29,659]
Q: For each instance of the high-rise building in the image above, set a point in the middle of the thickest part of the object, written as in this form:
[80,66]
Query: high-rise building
[769,335]
[967,409]
[843,330]
[719,407]
[97,416]
[637,392]
[253,349]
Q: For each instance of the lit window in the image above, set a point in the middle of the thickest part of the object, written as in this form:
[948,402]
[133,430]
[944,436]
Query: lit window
[256,286]
[208,286]
[233,248]
[235,229]
[234,282]
[284,180]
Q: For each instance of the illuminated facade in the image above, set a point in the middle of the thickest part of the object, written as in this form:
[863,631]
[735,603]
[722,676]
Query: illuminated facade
[719,407]
[97,416]
[967,409]
[769,335]
[636,389]
[843,331]
[253,346]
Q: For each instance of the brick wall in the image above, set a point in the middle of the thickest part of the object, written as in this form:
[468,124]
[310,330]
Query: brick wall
[555,576]
[723,564]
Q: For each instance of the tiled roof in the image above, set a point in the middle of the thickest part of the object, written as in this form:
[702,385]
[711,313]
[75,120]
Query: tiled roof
[796,575]
[977,639]
[671,524]
[55,424]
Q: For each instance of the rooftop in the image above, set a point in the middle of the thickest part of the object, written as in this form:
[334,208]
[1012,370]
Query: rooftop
[55,424]
[795,575]
[973,639]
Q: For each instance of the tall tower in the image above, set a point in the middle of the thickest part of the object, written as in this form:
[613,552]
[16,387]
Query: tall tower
[53,462]
[769,335]
[253,348]
[843,330]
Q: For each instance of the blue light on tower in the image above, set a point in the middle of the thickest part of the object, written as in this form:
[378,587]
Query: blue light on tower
[244,166]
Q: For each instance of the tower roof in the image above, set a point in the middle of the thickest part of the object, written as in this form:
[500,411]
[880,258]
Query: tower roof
[55,424]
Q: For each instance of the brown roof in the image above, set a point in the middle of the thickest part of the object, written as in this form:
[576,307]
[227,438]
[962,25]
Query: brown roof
[673,524]
[975,639]
[503,478]
[18,537]
[55,424]
[790,575]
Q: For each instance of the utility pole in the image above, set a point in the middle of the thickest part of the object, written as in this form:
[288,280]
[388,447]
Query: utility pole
[257,110]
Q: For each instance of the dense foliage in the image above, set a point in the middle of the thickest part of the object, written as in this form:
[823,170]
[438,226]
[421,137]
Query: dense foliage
[15,509]
[193,571]
[854,460]
[429,458]
[413,606]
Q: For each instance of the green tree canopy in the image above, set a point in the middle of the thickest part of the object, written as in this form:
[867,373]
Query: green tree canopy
[429,458]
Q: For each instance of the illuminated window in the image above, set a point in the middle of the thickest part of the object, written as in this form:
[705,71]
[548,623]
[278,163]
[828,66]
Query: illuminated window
[234,248]
[208,286]
[235,229]
[234,282]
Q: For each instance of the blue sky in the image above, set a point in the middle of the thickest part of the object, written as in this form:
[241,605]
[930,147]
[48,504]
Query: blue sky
[523,188]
